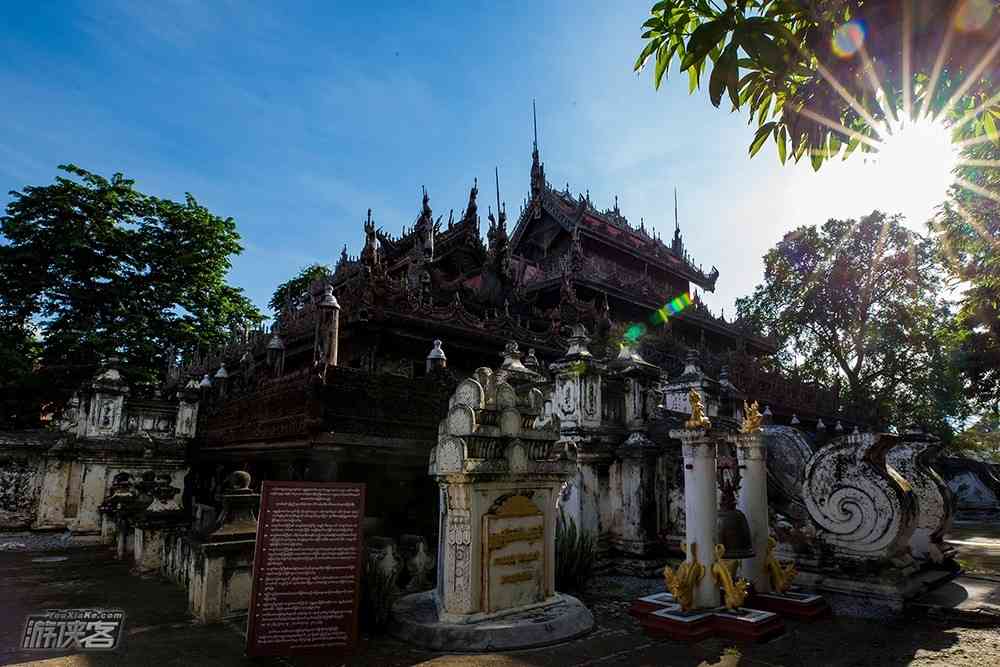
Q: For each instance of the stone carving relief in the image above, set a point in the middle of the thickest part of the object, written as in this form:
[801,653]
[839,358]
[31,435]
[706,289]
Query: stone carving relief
[863,509]
[450,455]
[934,501]
[420,562]
[17,502]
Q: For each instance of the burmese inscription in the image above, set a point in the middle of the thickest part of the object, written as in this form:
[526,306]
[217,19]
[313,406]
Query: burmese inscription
[515,571]
[307,569]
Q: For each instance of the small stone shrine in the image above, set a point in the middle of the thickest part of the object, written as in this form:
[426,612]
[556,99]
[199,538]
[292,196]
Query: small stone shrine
[500,465]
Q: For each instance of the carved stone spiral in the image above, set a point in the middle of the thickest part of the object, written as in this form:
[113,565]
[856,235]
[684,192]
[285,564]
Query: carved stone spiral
[935,506]
[862,508]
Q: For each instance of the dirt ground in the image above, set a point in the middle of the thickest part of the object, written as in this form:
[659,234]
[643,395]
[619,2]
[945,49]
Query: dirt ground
[160,631]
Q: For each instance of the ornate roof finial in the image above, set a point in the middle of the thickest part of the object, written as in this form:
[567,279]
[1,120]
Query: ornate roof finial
[537,168]
[534,119]
[677,224]
[472,209]
[496,173]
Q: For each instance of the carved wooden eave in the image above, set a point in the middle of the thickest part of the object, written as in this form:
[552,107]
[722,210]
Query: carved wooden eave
[579,216]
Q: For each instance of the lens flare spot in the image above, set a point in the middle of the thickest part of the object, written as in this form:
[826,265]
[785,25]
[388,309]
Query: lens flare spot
[634,332]
[668,310]
[848,38]
[973,15]
[915,164]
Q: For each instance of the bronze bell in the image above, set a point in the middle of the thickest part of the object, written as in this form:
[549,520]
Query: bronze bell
[734,533]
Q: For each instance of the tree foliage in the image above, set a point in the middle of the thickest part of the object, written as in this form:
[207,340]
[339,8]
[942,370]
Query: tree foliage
[294,292]
[982,439]
[92,267]
[860,302]
[969,226]
[793,62]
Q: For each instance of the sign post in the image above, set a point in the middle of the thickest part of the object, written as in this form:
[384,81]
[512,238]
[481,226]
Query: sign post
[306,569]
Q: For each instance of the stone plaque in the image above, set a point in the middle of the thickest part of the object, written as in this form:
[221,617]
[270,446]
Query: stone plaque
[514,549]
[306,569]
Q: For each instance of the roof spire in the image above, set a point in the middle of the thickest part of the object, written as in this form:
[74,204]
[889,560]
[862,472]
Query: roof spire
[496,172]
[677,224]
[534,118]
[678,243]
[537,169]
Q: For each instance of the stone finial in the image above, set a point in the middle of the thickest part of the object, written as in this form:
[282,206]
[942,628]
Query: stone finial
[691,366]
[512,360]
[820,426]
[238,519]
[328,300]
[839,428]
[578,341]
[436,357]
[164,494]
[238,481]
[206,382]
[795,420]
[222,373]
[531,361]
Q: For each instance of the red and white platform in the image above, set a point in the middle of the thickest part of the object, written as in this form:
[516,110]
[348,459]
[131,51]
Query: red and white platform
[661,616]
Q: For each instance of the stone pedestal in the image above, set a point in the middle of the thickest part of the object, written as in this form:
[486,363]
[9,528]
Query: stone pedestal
[221,569]
[634,536]
[161,519]
[500,477]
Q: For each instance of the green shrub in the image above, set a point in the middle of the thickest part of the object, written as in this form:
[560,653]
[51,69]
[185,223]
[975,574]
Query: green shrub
[576,553]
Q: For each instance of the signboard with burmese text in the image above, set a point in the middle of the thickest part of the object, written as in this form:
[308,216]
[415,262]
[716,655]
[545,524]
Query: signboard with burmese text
[307,569]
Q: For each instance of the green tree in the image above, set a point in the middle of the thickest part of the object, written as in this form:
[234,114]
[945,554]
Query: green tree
[982,439]
[969,226]
[97,268]
[860,302]
[294,292]
[824,77]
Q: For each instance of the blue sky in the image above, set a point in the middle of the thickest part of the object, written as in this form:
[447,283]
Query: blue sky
[295,118]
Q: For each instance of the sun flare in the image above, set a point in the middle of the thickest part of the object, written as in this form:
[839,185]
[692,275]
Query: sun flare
[914,167]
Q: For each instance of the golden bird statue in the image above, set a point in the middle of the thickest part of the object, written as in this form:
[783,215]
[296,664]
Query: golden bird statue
[735,589]
[682,582]
[781,576]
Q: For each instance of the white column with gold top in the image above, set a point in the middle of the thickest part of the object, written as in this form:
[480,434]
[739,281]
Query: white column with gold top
[751,451]
[692,585]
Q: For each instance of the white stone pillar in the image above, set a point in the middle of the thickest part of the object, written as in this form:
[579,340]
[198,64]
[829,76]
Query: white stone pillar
[752,454]
[701,509]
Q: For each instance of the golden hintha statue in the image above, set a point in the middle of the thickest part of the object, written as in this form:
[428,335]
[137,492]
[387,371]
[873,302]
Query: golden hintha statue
[698,418]
[781,575]
[752,418]
[735,589]
[681,583]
